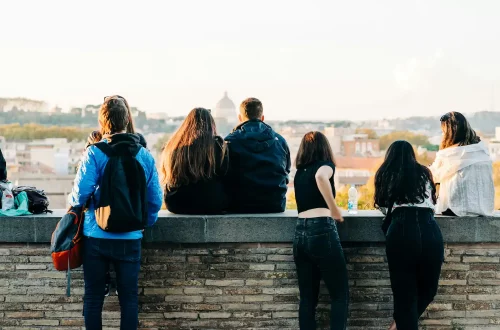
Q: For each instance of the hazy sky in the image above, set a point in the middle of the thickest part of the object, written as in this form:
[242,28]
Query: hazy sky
[310,59]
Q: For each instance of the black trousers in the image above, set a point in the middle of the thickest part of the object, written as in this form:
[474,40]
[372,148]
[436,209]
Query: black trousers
[319,255]
[415,253]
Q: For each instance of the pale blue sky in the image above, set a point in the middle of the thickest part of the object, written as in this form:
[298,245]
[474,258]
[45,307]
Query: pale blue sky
[312,59]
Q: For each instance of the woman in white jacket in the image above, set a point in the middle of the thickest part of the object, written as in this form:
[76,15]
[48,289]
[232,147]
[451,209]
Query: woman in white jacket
[463,168]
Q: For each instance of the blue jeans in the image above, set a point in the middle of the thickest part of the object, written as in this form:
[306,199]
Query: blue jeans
[318,255]
[415,253]
[125,255]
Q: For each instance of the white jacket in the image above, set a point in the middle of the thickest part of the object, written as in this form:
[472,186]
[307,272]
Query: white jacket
[466,178]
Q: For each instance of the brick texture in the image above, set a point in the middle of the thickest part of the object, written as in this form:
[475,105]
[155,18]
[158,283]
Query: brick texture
[245,286]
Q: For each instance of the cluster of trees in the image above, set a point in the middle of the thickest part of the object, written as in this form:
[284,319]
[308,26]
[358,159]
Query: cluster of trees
[385,141]
[75,119]
[415,139]
[34,132]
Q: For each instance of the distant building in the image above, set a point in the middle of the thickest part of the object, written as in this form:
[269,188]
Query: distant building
[352,170]
[335,136]
[55,109]
[158,115]
[225,115]
[19,103]
[56,156]
[360,145]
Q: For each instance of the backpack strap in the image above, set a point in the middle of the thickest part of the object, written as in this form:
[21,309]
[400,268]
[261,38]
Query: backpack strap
[105,148]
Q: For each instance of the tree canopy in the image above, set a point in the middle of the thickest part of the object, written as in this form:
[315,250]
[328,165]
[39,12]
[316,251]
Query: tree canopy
[35,132]
[413,138]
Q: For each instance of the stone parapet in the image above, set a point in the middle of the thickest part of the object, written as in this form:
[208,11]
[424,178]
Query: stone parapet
[214,273]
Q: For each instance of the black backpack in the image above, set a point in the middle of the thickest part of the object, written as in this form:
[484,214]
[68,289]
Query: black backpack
[38,202]
[122,205]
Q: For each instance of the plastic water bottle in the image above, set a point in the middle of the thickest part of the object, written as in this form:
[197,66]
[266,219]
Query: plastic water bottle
[352,203]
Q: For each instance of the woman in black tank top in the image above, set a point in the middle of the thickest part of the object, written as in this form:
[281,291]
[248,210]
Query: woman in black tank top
[316,247]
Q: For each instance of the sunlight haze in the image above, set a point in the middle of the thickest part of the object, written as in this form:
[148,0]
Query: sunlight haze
[305,60]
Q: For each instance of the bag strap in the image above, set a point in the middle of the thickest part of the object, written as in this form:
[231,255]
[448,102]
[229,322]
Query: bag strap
[68,278]
[105,148]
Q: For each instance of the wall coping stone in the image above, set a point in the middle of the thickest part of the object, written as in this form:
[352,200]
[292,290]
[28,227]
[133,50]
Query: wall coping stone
[252,228]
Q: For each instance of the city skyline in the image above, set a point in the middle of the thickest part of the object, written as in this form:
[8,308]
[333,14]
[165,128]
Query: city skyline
[323,60]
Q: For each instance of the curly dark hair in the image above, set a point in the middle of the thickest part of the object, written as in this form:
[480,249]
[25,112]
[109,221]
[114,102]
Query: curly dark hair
[401,179]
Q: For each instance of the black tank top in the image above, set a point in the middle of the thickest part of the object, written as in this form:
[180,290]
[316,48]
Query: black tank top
[307,194]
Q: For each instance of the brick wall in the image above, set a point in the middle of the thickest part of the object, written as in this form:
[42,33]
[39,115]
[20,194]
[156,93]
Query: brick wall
[239,286]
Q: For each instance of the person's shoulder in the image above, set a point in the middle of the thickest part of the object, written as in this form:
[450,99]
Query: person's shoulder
[218,140]
[237,134]
[231,136]
[319,164]
[145,157]
[279,137]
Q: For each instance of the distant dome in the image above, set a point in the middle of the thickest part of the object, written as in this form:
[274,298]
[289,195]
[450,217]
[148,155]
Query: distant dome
[225,108]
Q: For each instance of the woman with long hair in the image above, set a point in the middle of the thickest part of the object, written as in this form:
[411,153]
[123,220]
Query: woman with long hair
[194,163]
[316,247]
[414,244]
[463,169]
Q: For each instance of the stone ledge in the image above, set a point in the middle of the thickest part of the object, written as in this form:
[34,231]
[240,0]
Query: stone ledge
[251,228]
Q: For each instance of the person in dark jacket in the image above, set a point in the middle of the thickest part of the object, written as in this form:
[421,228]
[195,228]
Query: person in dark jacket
[260,163]
[3,167]
[194,163]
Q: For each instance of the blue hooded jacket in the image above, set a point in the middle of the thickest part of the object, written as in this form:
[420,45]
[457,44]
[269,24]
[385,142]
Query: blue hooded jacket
[86,184]
[259,165]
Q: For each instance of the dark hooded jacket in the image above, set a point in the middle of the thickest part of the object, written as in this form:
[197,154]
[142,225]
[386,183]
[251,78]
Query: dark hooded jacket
[3,167]
[258,169]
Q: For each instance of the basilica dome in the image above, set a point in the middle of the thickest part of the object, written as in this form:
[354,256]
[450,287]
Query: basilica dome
[225,108]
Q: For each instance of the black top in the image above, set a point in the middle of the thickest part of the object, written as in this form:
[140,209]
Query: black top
[259,168]
[3,167]
[204,196]
[307,194]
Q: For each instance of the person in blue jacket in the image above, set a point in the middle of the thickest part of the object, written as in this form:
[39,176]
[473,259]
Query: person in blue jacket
[101,248]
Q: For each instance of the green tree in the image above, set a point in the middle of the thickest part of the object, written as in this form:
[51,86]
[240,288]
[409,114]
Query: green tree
[431,147]
[34,132]
[414,139]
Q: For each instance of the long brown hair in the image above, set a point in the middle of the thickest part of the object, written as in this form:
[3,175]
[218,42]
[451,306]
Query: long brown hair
[457,131]
[189,155]
[114,115]
[314,147]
